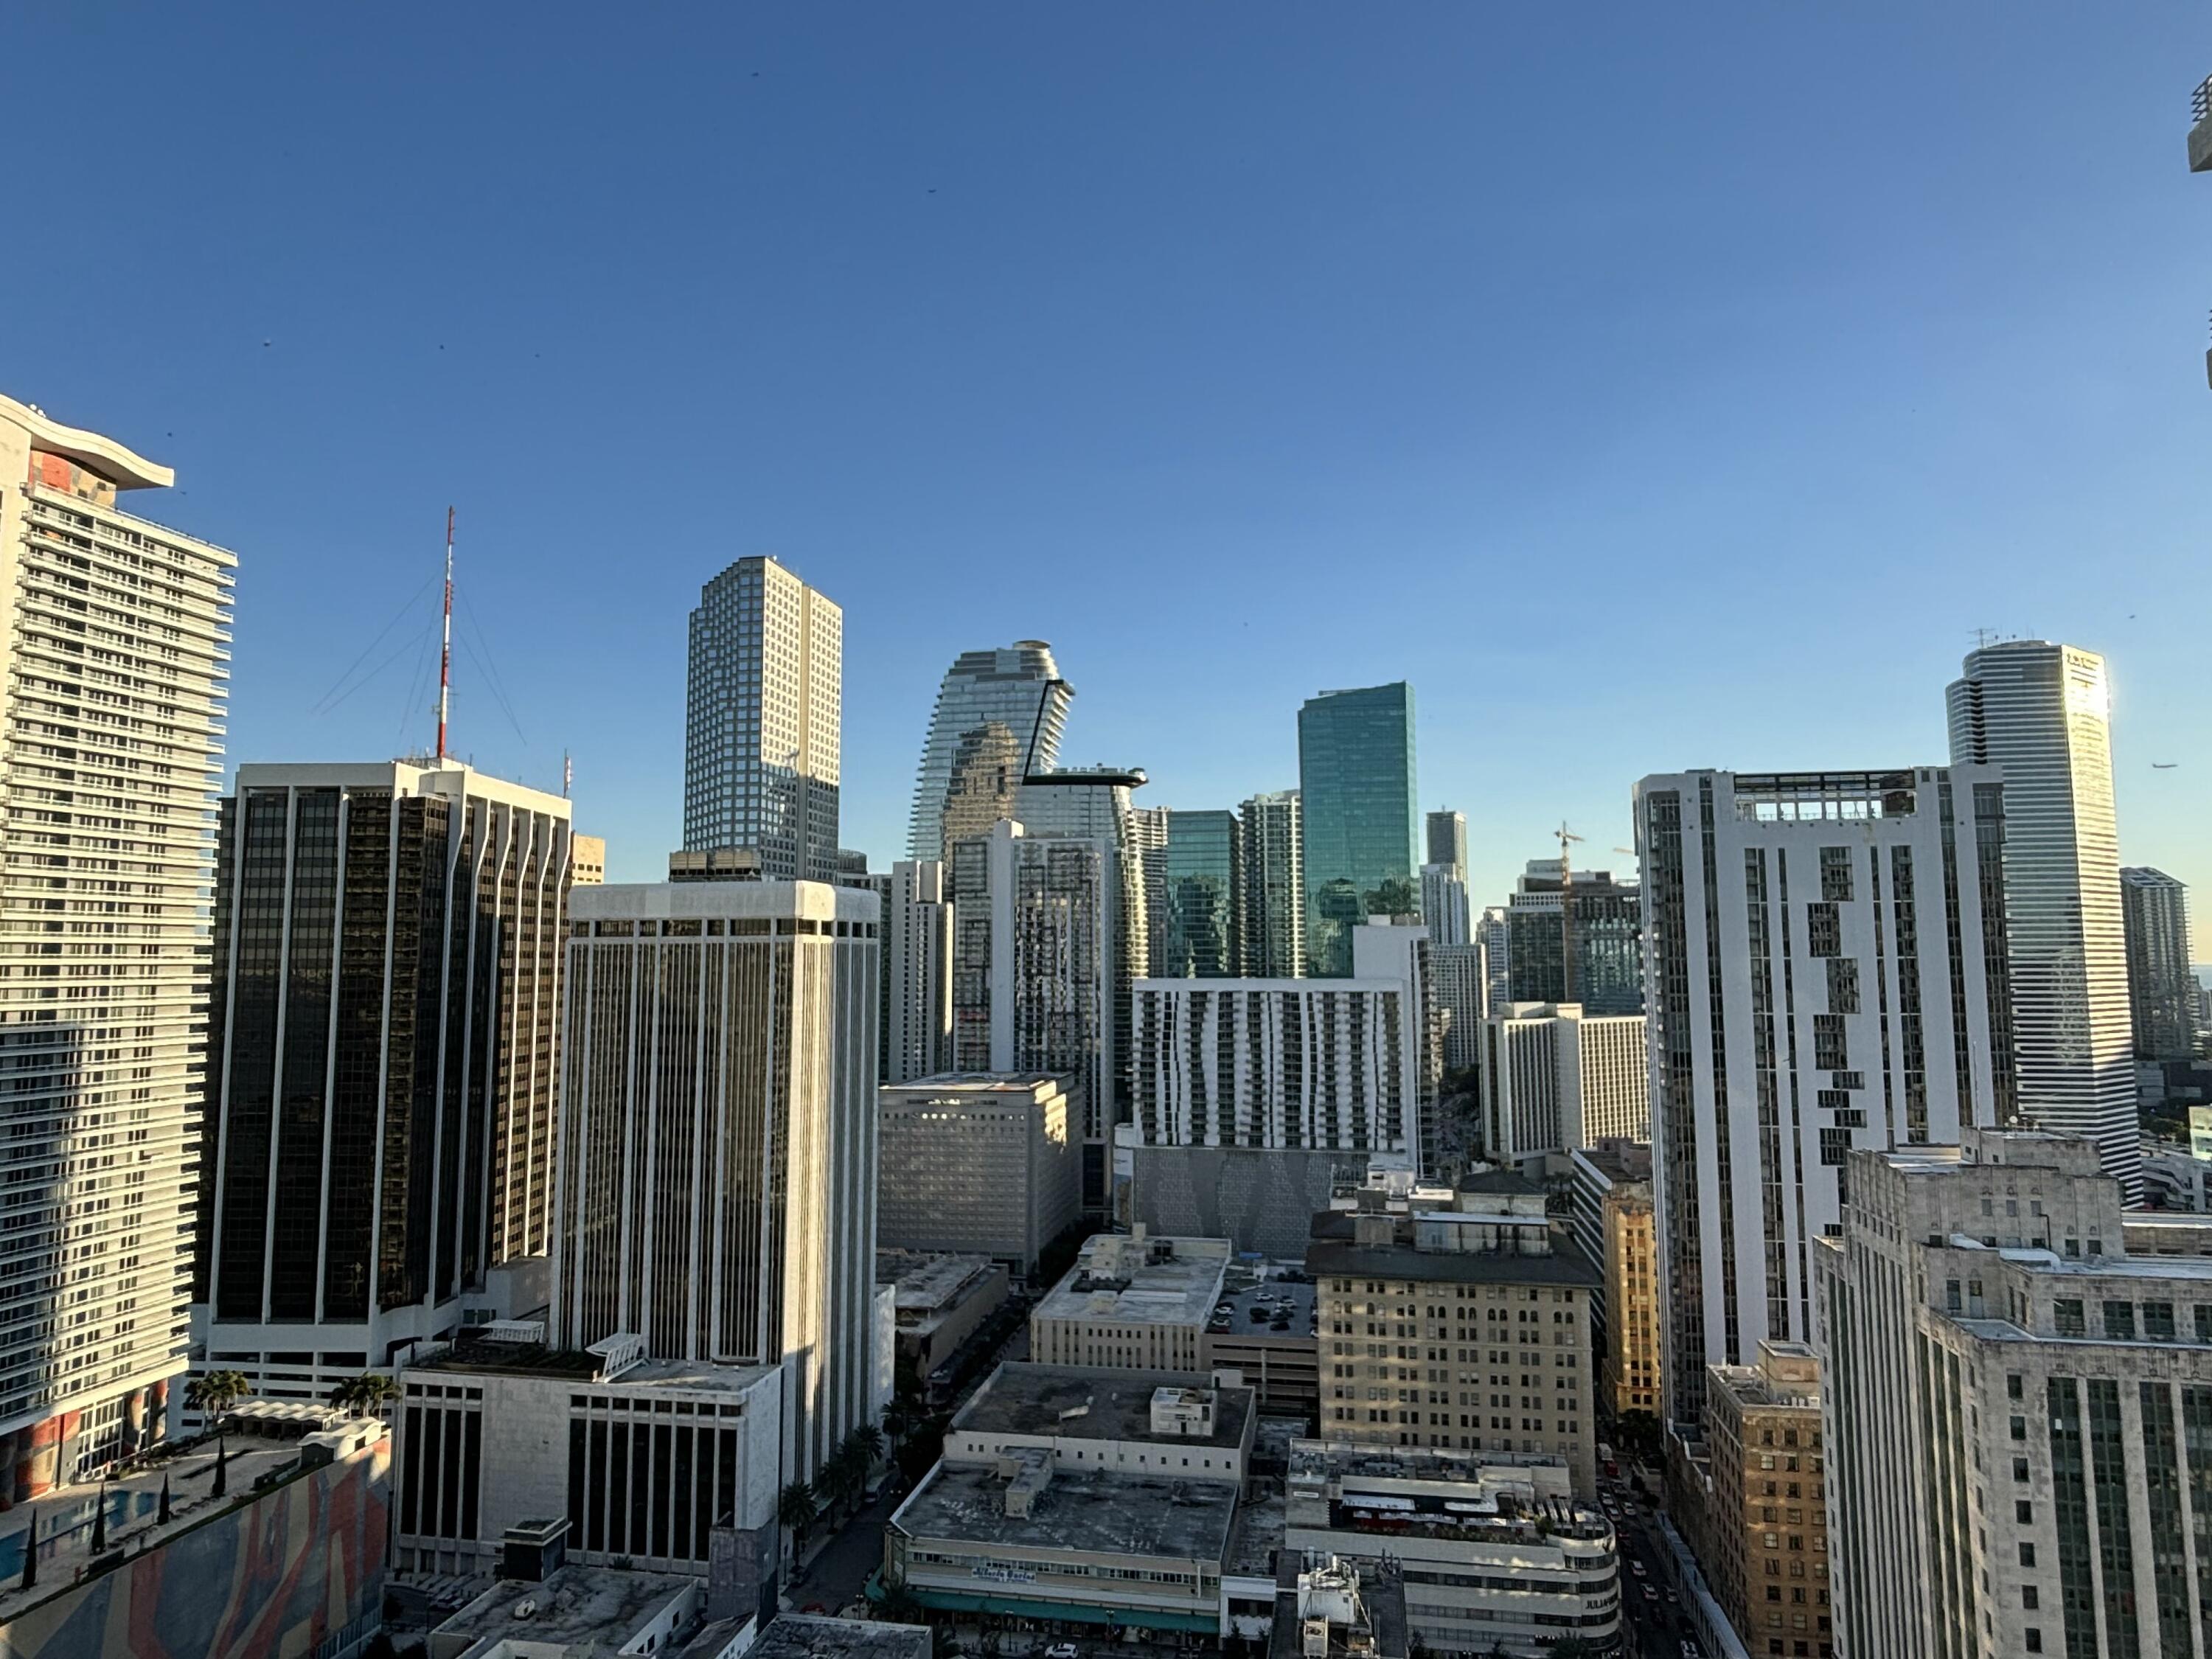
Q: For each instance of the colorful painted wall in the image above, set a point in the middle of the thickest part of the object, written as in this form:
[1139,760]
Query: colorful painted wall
[277,1576]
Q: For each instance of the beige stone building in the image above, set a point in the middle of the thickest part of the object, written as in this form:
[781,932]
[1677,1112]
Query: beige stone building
[1613,1224]
[1132,1302]
[1765,1548]
[1465,1328]
[587,860]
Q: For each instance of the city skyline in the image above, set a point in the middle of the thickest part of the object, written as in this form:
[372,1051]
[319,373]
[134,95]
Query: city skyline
[1981,407]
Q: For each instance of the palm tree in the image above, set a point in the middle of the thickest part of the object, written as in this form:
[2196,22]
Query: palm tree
[212,1393]
[869,1440]
[366,1395]
[796,1509]
[903,1416]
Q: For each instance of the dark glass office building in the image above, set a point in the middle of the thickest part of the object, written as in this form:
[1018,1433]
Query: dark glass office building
[1607,935]
[1206,896]
[379,1116]
[1360,815]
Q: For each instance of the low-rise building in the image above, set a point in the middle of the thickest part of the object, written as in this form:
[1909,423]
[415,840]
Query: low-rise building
[1132,1301]
[1262,1328]
[1762,1523]
[1493,1549]
[1144,1423]
[802,1636]
[1465,1326]
[979,1162]
[643,1461]
[1258,1198]
[940,1301]
[1328,1607]
[1615,1226]
[574,1612]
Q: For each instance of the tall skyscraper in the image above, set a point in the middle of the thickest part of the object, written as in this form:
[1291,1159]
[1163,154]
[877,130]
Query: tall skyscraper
[762,721]
[2041,712]
[1550,1080]
[1033,972]
[1457,972]
[111,713]
[917,971]
[717,1182]
[1605,932]
[2017,1395]
[998,718]
[1274,935]
[1206,896]
[1444,904]
[1360,815]
[1494,937]
[380,1115]
[1096,803]
[1826,951]
[2162,986]
[1148,836]
[1448,844]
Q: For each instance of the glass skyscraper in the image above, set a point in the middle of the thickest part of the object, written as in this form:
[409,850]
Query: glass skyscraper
[762,721]
[1205,897]
[1361,819]
[1275,890]
[998,718]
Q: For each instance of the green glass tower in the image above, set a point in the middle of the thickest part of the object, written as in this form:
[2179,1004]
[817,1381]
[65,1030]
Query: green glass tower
[1360,815]
[1206,896]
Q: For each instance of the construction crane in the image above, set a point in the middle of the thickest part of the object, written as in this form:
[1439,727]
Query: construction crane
[1566,915]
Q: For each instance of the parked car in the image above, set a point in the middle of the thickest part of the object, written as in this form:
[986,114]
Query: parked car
[1061,1650]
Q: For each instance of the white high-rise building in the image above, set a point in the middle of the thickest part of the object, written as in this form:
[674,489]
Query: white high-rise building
[1493,935]
[716,1194]
[2042,712]
[998,718]
[917,939]
[2017,1407]
[1444,904]
[1455,976]
[1148,837]
[1550,1080]
[762,721]
[110,712]
[1825,957]
[1274,886]
[1035,927]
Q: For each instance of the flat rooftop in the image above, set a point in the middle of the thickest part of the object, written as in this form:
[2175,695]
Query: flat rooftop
[923,1284]
[1257,1537]
[1130,1281]
[803,1635]
[1270,1299]
[1332,1254]
[993,1087]
[1078,1403]
[577,1604]
[505,1359]
[1079,1513]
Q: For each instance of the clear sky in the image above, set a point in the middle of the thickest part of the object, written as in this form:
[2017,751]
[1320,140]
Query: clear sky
[1653,386]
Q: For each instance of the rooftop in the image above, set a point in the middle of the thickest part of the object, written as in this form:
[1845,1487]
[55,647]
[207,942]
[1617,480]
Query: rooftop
[1333,1255]
[481,1358]
[1136,1280]
[802,1636]
[1077,1512]
[1274,1309]
[1075,1403]
[924,1283]
[996,1088]
[1617,1160]
[1493,1498]
[605,1607]
[1371,1594]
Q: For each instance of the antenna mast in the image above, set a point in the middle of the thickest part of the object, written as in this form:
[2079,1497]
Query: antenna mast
[445,650]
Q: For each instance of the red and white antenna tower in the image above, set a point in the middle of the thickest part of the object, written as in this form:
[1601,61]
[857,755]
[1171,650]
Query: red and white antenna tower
[446,651]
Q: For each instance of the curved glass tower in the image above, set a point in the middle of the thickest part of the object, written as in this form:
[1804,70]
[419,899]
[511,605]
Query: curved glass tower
[1357,799]
[998,718]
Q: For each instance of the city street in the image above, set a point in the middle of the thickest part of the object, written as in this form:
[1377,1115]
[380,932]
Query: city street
[1654,1626]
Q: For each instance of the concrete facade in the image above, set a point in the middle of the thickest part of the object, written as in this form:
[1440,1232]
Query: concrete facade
[1132,1302]
[979,1162]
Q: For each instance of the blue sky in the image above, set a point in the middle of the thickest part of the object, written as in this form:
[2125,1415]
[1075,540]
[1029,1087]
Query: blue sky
[1652,387]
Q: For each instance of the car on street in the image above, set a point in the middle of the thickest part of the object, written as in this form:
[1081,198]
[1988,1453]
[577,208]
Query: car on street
[1650,1594]
[1061,1650]
[1635,1567]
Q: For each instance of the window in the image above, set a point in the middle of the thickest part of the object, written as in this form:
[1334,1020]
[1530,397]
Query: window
[2066,1316]
[2014,1387]
[2027,1597]
[1836,874]
[2023,1512]
[2027,1555]
[2019,1430]
[2120,1321]
[2158,1321]
[2034,1639]
[2020,1468]
[1843,985]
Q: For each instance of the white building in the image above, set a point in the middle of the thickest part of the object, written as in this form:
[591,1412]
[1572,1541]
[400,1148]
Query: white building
[1824,954]
[1443,903]
[110,710]
[717,1182]
[2017,1404]
[382,1094]
[1550,1080]
[2042,713]
[1132,1301]
[998,718]
[917,936]
[978,1163]
[1493,935]
[641,1458]
[1036,924]
[1461,995]
[1496,1551]
[762,721]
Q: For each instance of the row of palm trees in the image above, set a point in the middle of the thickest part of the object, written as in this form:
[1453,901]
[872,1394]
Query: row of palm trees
[212,1393]
[840,1484]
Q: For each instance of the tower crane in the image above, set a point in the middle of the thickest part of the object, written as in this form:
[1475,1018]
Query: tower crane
[1566,913]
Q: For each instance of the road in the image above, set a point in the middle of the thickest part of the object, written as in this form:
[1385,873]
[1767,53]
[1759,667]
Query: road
[1655,1627]
[837,1574]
